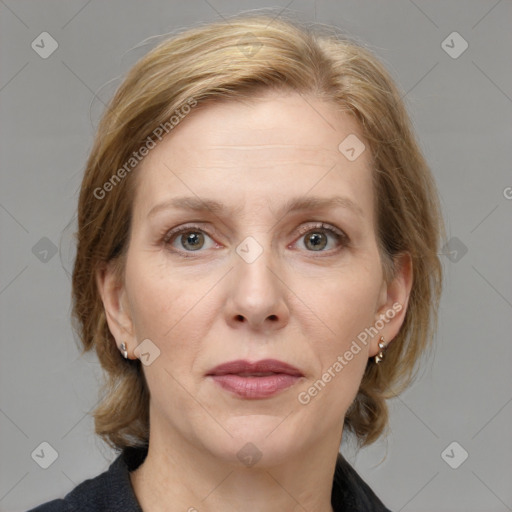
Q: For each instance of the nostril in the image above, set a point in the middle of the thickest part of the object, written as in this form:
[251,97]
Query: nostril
[272,317]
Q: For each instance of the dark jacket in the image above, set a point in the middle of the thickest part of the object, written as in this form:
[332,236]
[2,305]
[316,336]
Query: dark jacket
[112,490]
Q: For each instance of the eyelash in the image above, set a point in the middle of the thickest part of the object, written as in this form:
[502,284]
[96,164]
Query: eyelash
[340,236]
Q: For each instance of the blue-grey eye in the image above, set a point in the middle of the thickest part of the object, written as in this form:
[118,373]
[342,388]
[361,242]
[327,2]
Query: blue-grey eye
[193,240]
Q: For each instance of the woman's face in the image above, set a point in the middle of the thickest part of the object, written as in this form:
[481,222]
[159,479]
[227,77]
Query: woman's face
[251,279]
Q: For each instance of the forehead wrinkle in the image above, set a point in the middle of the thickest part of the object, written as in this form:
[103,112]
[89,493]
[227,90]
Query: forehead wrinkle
[213,164]
[263,146]
[283,154]
[273,147]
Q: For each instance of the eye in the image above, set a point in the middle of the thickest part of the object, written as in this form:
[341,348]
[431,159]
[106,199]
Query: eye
[316,238]
[188,239]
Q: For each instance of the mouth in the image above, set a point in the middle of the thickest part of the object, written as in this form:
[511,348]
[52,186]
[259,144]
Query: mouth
[261,379]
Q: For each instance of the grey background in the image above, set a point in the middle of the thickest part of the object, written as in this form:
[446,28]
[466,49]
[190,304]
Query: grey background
[461,109]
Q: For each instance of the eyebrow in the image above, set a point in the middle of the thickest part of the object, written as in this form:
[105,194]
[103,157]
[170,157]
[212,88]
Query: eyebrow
[295,204]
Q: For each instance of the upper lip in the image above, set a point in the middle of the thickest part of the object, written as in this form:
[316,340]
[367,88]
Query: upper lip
[264,366]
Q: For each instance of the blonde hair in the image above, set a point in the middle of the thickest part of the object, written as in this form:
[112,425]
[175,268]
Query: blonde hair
[235,60]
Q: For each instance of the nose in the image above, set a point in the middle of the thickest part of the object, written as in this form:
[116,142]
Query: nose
[257,295]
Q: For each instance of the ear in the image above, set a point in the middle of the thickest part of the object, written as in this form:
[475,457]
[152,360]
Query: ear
[393,301]
[117,312]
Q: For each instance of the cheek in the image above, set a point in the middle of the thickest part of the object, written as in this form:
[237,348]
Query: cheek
[343,303]
[342,359]
[154,302]
[344,306]
[159,295]
[172,309]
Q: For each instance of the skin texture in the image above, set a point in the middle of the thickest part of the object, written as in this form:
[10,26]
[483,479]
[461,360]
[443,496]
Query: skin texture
[292,303]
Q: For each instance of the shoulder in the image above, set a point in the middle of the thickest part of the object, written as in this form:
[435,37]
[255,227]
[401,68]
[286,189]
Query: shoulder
[110,490]
[86,496]
[59,505]
[351,492]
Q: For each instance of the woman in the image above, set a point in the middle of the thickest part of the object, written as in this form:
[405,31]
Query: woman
[256,269]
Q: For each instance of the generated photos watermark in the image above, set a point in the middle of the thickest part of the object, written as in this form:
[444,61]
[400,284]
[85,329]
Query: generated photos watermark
[305,397]
[150,143]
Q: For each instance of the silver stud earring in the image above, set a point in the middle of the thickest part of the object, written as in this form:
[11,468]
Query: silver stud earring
[123,350]
[383,347]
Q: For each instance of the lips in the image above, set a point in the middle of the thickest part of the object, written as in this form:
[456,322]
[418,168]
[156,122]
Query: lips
[258,368]
[260,379]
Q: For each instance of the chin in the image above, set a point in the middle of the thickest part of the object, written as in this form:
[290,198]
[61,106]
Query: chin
[259,441]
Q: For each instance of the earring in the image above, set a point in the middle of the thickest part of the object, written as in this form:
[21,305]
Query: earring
[383,347]
[124,351]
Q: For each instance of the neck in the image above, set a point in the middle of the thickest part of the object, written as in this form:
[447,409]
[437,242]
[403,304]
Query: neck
[185,479]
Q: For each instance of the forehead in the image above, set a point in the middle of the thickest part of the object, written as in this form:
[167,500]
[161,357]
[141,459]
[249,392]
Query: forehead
[274,125]
[283,142]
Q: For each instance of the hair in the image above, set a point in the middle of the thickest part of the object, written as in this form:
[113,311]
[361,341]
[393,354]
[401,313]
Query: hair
[236,60]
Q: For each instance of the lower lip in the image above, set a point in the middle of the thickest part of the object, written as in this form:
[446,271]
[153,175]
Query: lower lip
[255,387]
